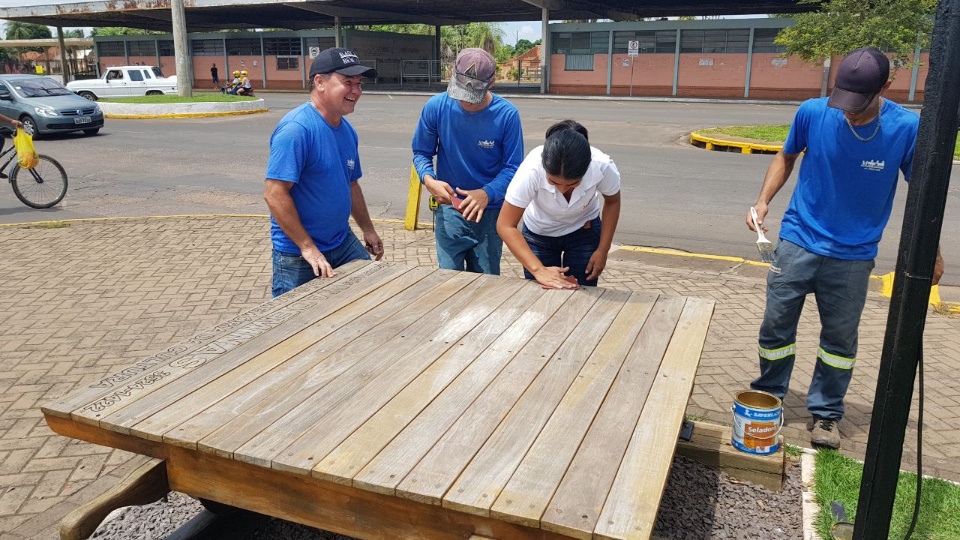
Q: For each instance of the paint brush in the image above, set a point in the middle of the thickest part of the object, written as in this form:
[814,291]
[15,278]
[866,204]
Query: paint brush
[763,245]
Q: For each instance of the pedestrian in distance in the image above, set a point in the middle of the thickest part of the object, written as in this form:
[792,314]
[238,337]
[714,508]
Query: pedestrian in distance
[215,75]
[476,138]
[557,192]
[855,144]
[312,180]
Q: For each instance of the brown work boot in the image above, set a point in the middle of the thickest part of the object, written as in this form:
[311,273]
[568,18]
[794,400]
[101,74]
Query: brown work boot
[825,433]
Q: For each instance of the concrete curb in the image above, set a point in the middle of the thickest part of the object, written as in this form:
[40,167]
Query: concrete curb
[746,147]
[181,110]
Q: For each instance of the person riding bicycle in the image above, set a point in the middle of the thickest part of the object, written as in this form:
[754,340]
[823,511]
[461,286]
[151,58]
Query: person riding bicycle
[16,124]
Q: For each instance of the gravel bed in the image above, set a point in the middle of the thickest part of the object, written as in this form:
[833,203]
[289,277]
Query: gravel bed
[698,503]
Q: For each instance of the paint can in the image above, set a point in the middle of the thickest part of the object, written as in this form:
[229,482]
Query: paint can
[757,420]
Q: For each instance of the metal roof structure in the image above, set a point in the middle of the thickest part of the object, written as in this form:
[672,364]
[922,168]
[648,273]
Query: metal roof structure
[216,15]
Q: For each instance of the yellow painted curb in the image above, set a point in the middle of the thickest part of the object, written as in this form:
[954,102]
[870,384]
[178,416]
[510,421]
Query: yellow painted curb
[886,289]
[183,115]
[711,143]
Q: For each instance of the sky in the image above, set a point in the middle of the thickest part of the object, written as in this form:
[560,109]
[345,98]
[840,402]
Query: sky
[528,30]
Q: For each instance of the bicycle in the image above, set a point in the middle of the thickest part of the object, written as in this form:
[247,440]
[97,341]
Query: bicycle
[42,186]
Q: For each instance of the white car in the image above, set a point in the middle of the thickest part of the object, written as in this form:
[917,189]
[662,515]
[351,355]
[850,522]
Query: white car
[124,81]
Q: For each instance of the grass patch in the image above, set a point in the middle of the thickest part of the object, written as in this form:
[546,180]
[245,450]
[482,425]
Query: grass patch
[774,134]
[207,97]
[792,451]
[837,478]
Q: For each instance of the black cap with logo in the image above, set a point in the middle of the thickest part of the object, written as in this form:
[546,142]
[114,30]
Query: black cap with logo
[341,61]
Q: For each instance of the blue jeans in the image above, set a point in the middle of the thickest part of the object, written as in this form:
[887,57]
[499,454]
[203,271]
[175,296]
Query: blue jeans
[572,250]
[467,245]
[840,287]
[290,271]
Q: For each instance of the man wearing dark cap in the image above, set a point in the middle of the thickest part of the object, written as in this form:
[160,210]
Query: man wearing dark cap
[476,138]
[855,144]
[312,185]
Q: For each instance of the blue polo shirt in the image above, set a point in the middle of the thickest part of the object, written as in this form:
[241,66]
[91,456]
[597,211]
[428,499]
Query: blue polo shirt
[846,186]
[321,161]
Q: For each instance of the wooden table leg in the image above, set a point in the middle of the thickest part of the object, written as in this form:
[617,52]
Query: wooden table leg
[146,484]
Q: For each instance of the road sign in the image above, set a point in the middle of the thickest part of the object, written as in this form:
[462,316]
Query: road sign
[633,48]
[314,52]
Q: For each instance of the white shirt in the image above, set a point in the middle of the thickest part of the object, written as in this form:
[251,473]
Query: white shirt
[548,212]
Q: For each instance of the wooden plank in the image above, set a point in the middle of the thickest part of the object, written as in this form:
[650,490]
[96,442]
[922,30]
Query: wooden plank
[292,301]
[341,509]
[522,358]
[128,406]
[435,333]
[478,486]
[331,333]
[430,478]
[577,503]
[631,507]
[526,495]
[459,341]
[710,445]
[511,328]
[235,430]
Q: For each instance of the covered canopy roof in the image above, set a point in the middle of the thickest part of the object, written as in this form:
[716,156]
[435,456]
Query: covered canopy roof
[215,15]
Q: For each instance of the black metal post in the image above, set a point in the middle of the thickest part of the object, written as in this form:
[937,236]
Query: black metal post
[923,219]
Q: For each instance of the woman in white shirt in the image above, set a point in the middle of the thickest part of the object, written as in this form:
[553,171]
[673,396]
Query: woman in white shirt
[557,192]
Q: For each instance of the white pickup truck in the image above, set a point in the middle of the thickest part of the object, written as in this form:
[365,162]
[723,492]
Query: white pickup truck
[124,81]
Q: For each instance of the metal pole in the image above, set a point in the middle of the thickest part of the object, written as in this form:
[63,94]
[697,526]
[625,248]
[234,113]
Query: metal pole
[181,49]
[65,67]
[923,220]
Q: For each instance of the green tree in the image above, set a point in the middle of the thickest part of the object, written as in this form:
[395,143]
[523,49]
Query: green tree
[75,33]
[122,31]
[840,26]
[524,45]
[19,30]
[504,53]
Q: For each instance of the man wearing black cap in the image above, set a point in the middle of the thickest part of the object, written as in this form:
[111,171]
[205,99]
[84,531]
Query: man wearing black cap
[312,185]
[855,144]
[477,140]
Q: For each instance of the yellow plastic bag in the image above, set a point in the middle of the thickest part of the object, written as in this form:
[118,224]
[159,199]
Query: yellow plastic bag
[26,153]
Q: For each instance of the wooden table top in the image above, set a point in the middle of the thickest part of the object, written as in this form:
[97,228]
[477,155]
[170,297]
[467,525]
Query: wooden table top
[485,395]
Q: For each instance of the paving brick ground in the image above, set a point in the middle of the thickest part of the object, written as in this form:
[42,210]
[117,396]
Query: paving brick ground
[82,299]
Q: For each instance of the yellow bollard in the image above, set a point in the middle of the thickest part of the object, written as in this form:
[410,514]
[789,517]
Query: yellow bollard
[413,201]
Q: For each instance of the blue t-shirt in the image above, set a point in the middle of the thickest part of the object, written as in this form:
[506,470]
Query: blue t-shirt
[321,160]
[846,186]
[474,149]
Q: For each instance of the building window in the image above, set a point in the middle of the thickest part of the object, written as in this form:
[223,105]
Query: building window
[319,42]
[206,47]
[763,41]
[166,48]
[651,41]
[245,46]
[714,41]
[142,48]
[578,62]
[288,63]
[110,48]
[580,42]
[282,46]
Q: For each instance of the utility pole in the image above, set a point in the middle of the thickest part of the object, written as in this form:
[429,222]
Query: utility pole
[922,223]
[181,48]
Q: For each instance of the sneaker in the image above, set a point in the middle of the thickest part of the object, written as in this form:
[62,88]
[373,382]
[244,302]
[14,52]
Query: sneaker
[825,433]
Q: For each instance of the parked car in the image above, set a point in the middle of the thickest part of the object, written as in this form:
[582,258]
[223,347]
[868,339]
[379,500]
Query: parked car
[125,81]
[46,106]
